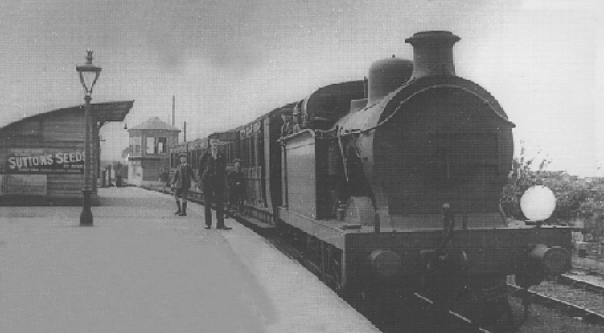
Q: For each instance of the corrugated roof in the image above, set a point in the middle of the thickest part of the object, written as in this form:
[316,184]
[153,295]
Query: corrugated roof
[154,123]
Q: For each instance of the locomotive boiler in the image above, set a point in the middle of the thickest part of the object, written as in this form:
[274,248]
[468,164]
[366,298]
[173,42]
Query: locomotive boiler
[390,186]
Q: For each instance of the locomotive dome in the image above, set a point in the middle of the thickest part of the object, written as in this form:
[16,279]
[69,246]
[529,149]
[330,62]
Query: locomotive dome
[387,75]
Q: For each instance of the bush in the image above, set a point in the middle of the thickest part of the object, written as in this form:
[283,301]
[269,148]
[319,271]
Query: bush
[575,199]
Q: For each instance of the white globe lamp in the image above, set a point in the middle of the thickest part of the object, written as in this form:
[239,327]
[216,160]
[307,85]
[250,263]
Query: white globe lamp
[538,203]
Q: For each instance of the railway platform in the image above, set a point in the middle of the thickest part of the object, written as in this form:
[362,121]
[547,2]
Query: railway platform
[140,268]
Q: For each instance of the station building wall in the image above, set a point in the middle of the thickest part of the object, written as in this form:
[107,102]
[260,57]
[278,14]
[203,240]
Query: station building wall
[42,159]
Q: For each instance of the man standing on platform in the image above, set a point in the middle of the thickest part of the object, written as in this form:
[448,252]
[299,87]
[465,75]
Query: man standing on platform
[212,172]
[181,184]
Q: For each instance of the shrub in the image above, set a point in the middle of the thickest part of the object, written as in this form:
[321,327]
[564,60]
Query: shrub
[575,199]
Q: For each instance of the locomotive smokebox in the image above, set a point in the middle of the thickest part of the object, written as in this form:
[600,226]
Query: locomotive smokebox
[432,53]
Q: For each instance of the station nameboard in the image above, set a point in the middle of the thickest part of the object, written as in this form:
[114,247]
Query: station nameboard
[23,185]
[43,161]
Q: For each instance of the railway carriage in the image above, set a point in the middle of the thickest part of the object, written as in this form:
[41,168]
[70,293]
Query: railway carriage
[390,186]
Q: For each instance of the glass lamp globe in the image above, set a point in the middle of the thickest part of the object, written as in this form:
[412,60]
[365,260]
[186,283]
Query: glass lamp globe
[538,203]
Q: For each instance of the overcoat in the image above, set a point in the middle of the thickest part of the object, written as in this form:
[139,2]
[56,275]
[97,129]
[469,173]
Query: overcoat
[183,176]
[212,172]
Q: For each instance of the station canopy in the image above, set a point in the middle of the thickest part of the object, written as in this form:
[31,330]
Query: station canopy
[111,111]
[104,112]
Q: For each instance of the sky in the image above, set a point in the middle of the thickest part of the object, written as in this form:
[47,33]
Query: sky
[230,61]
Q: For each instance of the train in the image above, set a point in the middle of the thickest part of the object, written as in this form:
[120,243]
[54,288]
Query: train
[390,185]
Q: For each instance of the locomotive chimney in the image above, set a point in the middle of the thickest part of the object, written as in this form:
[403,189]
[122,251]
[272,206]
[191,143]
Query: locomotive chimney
[432,53]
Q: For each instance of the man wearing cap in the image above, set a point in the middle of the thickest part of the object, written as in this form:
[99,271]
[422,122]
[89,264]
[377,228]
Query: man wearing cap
[212,172]
[181,182]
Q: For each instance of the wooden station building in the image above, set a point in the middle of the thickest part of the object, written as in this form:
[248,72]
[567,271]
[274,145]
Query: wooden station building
[42,156]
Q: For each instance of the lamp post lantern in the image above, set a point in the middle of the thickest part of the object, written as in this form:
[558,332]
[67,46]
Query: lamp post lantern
[89,73]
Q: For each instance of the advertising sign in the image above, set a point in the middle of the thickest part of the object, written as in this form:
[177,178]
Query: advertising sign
[32,161]
[22,185]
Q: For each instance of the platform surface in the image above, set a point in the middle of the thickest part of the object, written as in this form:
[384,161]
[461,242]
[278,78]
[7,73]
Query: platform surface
[140,268]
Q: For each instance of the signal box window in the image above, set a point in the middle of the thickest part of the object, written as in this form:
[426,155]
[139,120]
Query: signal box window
[161,146]
[150,148]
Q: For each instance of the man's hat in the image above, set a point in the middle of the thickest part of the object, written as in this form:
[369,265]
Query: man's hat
[183,155]
[287,111]
[236,160]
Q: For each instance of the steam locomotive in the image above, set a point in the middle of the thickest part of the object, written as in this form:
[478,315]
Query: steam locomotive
[390,185]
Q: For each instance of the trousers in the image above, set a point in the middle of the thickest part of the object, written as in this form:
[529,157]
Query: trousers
[213,193]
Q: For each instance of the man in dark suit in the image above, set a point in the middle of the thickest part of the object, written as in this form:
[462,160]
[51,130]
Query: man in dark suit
[212,172]
[181,182]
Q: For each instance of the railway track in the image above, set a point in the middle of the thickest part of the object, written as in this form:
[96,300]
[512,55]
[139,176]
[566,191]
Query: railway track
[569,294]
[591,283]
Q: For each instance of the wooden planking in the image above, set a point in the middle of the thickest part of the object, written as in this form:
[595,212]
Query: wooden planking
[52,134]
[64,128]
[65,185]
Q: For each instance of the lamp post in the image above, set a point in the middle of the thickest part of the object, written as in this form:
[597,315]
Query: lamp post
[89,73]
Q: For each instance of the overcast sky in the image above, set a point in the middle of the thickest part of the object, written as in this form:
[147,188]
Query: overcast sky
[229,61]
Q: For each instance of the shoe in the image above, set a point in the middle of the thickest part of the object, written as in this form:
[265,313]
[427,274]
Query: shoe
[179,210]
[183,214]
[208,227]
[224,228]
